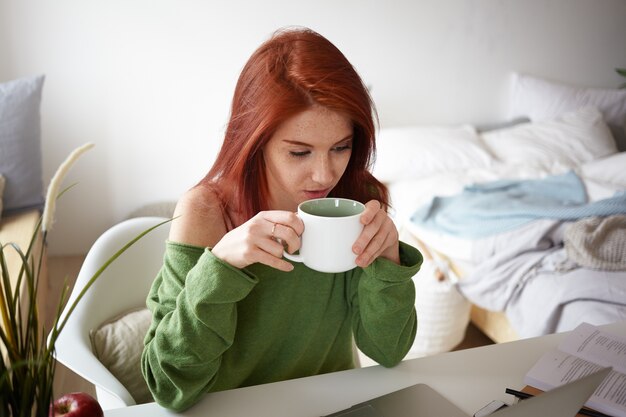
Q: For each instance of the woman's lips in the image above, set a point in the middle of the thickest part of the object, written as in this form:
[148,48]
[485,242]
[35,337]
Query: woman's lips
[316,194]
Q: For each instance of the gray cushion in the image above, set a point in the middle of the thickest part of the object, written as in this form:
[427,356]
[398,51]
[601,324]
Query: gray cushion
[20,145]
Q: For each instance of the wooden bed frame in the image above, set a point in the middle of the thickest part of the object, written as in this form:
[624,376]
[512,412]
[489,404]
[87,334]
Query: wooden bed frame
[494,324]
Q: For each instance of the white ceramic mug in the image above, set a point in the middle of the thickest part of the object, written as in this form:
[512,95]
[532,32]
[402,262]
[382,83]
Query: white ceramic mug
[331,227]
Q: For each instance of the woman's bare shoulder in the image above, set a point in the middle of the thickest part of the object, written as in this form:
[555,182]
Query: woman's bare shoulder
[199,218]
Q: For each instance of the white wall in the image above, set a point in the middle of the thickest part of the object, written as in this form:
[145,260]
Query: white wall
[150,81]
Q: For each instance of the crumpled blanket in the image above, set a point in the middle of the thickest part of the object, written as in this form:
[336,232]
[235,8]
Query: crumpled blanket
[527,273]
[598,242]
[496,207]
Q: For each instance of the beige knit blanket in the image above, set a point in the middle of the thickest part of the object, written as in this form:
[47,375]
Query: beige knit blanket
[598,242]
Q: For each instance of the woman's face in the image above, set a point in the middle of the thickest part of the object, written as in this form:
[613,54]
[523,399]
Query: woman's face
[306,156]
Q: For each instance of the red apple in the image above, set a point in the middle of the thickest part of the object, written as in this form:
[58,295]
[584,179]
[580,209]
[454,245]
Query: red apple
[76,404]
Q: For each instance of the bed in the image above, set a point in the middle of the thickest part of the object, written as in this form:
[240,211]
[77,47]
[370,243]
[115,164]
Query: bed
[512,276]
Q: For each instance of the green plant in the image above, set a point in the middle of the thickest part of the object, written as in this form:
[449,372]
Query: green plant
[622,72]
[27,367]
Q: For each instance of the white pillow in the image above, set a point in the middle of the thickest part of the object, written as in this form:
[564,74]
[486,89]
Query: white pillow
[565,142]
[607,171]
[541,99]
[419,151]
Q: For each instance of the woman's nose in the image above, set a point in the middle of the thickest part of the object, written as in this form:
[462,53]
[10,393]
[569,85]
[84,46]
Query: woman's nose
[322,172]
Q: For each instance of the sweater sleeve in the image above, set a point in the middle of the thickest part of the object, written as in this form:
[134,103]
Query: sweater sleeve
[384,321]
[193,304]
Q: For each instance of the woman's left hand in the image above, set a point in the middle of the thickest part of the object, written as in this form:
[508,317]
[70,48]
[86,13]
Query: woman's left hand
[379,236]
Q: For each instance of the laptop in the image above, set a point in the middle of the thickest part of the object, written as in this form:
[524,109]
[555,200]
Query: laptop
[421,400]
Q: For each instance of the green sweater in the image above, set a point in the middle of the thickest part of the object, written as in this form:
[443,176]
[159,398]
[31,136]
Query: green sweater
[216,327]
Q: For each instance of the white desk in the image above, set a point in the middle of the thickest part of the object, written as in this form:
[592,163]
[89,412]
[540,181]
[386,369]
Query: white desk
[470,378]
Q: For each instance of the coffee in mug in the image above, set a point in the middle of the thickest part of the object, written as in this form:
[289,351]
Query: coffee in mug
[331,227]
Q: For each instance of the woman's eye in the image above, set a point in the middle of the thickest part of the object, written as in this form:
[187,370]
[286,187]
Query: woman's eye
[306,152]
[299,154]
[342,148]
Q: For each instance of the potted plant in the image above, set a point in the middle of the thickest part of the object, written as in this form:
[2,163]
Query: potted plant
[28,365]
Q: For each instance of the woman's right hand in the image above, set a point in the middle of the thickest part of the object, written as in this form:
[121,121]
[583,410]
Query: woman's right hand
[259,240]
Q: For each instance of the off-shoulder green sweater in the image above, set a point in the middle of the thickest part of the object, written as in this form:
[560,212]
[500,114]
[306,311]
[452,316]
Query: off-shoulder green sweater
[216,327]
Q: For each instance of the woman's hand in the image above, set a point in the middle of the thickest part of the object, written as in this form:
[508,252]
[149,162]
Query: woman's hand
[379,236]
[257,240]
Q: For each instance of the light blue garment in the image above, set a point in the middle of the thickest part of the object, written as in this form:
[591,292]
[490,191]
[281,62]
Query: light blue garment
[485,209]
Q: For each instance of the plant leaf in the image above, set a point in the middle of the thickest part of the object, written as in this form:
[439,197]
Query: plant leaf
[7,307]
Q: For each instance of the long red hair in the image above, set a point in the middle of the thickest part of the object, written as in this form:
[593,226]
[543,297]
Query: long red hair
[286,75]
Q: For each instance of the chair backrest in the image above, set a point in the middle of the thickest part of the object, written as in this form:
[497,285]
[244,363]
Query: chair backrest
[123,286]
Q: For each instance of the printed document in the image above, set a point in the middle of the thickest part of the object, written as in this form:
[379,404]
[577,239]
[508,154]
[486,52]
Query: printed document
[585,350]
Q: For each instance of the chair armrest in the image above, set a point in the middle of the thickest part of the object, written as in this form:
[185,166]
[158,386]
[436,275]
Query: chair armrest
[73,350]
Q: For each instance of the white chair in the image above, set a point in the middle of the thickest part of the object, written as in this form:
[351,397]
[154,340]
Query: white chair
[123,286]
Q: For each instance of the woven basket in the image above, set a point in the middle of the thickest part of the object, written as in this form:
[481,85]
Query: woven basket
[442,312]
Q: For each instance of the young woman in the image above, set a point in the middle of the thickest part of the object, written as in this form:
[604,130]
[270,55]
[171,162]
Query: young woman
[228,309]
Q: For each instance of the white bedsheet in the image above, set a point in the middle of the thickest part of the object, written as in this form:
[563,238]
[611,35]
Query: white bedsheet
[527,273]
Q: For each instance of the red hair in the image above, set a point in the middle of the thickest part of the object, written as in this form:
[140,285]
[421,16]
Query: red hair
[286,75]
